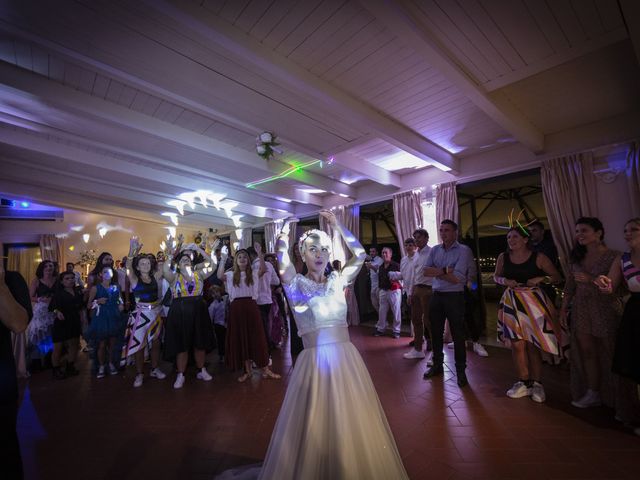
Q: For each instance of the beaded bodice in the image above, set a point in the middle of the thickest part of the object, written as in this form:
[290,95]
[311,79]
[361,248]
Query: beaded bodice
[317,305]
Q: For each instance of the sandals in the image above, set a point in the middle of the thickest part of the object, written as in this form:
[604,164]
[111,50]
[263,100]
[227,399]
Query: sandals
[269,374]
[244,377]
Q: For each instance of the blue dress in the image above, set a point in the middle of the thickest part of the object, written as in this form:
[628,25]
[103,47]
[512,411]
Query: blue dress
[106,319]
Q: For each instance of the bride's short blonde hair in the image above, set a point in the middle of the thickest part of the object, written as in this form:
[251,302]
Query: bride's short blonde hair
[321,235]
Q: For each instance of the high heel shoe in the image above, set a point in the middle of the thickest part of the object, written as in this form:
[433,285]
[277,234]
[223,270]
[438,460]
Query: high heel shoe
[269,374]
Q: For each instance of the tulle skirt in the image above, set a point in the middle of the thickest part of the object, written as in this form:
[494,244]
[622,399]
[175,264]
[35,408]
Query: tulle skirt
[40,327]
[331,424]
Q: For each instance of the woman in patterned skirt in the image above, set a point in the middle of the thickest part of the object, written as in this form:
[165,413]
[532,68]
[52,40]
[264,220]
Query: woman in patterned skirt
[526,317]
[145,323]
[594,318]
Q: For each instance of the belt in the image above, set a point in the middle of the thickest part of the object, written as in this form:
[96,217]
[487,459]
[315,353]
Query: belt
[423,285]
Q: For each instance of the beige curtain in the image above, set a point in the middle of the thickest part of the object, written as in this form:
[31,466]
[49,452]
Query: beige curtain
[633,177]
[569,192]
[24,260]
[407,211]
[293,236]
[243,237]
[271,232]
[349,216]
[446,203]
[52,248]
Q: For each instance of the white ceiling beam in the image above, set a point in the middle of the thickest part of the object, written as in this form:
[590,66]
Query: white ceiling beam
[280,69]
[29,141]
[106,192]
[148,82]
[631,16]
[42,94]
[368,169]
[406,20]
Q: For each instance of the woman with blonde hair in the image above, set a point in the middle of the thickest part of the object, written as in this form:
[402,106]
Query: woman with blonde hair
[246,342]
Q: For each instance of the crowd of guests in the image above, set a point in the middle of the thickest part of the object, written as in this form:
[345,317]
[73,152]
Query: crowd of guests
[178,306]
[182,305]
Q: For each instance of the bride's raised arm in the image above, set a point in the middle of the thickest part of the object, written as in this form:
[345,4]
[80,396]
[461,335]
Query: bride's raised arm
[353,266]
[285,268]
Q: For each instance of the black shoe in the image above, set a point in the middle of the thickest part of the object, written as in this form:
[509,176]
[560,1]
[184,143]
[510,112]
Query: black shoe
[58,374]
[412,343]
[378,333]
[71,370]
[462,379]
[434,371]
[396,335]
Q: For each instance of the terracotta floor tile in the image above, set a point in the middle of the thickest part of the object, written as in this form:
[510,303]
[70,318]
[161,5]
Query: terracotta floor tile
[104,429]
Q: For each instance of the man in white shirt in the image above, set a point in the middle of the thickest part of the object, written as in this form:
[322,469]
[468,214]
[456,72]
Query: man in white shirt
[265,282]
[420,296]
[373,263]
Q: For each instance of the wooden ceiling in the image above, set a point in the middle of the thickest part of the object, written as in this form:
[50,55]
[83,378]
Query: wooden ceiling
[118,107]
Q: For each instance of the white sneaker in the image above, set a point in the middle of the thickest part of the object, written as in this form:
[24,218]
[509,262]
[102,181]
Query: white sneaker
[450,346]
[430,359]
[537,393]
[413,353]
[112,369]
[270,361]
[480,350]
[519,390]
[179,381]
[590,399]
[101,373]
[138,381]
[204,375]
[157,373]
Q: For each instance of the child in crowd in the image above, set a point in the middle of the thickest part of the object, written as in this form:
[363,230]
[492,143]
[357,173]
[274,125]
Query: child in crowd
[219,311]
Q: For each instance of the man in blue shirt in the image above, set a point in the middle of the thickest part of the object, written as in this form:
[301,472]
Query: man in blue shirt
[447,264]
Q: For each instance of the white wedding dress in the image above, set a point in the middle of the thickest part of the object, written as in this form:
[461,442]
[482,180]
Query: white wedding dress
[331,425]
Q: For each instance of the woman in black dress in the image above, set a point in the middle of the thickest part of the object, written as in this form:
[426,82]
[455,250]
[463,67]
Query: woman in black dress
[67,305]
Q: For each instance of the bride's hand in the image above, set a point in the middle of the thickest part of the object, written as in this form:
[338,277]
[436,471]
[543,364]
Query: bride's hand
[329,216]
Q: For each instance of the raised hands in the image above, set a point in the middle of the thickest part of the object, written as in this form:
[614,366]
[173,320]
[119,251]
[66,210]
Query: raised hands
[224,254]
[258,248]
[329,216]
[134,246]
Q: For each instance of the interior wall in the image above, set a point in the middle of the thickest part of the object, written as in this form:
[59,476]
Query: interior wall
[115,241]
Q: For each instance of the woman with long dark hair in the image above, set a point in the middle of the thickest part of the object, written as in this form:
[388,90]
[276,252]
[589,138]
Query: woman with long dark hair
[246,341]
[144,325]
[68,306]
[594,317]
[188,326]
[41,290]
[625,271]
[526,317]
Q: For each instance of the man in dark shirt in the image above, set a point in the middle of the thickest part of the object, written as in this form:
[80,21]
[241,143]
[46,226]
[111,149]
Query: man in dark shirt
[541,243]
[389,294]
[15,312]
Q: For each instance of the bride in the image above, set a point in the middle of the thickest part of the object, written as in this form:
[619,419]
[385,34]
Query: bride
[331,424]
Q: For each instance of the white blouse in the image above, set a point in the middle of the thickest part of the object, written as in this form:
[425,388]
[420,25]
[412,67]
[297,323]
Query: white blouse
[242,290]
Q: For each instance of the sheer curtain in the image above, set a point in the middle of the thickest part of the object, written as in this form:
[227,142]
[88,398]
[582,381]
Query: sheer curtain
[271,232]
[407,211]
[446,203]
[52,248]
[569,192]
[243,237]
[349,216]
[633,177]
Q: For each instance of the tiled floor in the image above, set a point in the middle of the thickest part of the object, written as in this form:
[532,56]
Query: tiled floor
[104,429]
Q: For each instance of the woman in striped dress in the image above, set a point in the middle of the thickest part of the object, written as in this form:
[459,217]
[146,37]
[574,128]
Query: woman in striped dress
[526,317]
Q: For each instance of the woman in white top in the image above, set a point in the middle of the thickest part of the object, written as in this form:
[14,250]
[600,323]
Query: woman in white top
[246,342]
